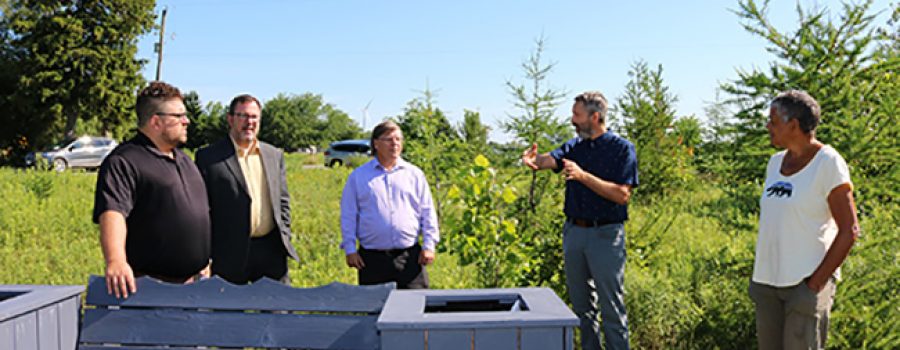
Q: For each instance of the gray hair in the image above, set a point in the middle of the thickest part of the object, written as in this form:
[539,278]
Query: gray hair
[594,101]
[798,104]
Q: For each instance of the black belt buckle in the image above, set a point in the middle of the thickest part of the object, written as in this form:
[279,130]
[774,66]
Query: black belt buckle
[388,251]
[587,223]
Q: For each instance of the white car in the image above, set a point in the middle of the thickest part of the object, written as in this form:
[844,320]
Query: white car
[83,152]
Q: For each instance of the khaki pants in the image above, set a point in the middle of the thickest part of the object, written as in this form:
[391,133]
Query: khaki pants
[793,317]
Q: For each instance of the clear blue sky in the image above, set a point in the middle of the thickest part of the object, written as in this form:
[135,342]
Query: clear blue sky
[353,52]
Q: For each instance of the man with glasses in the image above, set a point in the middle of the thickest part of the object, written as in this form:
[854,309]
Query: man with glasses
[600,169]
[386,206]
[150,200]
[249,202]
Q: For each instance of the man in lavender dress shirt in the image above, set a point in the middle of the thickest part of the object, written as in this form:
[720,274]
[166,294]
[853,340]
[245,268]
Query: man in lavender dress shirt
[386,206]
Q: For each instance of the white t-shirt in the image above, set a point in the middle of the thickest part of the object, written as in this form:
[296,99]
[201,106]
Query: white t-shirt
[795,223]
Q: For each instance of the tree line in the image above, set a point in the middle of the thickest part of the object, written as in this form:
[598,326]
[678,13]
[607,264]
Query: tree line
[69,68]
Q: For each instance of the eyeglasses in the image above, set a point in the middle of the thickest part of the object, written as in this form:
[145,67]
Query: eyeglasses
[174,115]
[243,115]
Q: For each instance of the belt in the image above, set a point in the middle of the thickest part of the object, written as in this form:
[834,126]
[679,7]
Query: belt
[389,251]
[590,223]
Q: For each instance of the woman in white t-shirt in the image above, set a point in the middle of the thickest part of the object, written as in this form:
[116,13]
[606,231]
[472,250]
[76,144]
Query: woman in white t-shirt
[807,225]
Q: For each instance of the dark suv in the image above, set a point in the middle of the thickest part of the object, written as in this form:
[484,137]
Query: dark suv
[339,153]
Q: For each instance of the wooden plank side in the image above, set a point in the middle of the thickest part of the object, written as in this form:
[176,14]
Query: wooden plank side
[403,340]
[228,329]
[25,331]
[542,338]
[450,339]
[268,295]
[68,322]
[27,298]
[496,339]
[48,328]
[6,334]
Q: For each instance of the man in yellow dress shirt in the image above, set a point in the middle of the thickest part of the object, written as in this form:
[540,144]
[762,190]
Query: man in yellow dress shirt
[249,202]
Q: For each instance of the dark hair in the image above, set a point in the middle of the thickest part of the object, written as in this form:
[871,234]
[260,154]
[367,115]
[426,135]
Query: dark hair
[149,99]
[797,104]
[381,129]
[594,101]
[242,99]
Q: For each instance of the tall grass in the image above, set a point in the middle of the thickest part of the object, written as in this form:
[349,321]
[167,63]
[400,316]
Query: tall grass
[47,237]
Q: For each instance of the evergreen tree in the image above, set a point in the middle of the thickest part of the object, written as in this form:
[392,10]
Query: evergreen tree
[208,124]
[647,110]
[850,67]
[473,132]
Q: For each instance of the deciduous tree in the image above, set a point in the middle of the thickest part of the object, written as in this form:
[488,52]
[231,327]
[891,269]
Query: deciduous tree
[295,121]
[76,66]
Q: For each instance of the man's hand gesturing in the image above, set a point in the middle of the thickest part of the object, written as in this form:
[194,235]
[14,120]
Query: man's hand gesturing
[529,157]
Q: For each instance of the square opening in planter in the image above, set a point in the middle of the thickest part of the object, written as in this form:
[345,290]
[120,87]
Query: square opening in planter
[4,295]
[477,303]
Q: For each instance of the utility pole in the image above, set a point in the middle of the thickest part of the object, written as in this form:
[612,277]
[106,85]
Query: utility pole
[159,45]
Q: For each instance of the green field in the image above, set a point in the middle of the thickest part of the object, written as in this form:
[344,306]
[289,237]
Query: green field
[689,257]
[47,237]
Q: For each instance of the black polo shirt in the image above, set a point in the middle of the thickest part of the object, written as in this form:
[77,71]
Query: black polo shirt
[609,157]
[165,207]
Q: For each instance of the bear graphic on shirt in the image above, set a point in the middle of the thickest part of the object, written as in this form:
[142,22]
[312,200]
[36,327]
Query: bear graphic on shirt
[780,189]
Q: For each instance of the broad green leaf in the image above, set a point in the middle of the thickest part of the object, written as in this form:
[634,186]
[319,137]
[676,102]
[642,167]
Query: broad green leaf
[509,226]
[453,193]
[508,195]
[482,161]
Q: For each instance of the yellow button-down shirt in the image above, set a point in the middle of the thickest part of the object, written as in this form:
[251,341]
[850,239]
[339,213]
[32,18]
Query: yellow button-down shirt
[262,218]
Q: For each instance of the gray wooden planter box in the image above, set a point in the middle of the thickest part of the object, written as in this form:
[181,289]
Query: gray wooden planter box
[39,317]
[490,319]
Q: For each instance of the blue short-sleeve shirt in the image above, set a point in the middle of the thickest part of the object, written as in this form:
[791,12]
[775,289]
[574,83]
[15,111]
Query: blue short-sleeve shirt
[609,157]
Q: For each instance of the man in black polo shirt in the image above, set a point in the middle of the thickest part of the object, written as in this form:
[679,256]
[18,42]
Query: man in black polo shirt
[151,202]
[601,169]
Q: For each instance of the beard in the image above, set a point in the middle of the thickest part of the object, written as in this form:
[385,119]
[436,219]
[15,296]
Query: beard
[584,131]
[175,140]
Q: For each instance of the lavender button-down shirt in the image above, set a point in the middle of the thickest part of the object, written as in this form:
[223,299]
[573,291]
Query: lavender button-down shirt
[387,209]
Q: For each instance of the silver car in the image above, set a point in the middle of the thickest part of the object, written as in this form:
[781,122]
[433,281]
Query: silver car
[83,152]
[339,153]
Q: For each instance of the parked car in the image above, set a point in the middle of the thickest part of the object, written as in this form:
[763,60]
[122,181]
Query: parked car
[83,152]
[339,153]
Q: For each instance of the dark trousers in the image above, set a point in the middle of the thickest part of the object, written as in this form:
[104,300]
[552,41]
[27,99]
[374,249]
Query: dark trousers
[267,258]
[395,265]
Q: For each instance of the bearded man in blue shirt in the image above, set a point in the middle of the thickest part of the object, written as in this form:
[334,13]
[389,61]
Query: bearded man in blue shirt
[600,169]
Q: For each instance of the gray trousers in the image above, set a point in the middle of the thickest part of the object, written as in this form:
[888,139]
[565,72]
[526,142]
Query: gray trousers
[793,317]
[595,271]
